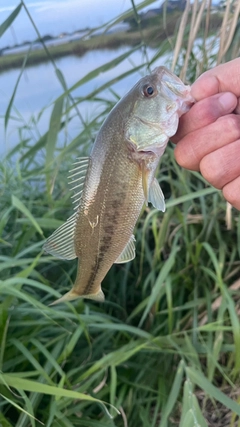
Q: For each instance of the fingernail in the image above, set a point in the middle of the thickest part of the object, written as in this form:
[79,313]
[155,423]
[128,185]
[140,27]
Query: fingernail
[228,101]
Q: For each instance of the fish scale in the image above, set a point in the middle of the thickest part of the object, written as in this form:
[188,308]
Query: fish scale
[112,185]
[115,223]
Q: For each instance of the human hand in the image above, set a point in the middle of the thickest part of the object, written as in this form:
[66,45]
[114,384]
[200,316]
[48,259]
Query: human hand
[208,137]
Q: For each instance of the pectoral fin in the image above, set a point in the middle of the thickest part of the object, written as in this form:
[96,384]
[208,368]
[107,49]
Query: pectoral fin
[61,243]
[152,193]
[128,252]
[156,196]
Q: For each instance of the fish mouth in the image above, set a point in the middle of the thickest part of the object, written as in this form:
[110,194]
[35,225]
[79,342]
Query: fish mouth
[174,89]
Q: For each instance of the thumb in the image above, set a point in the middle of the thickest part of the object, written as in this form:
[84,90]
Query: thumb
[205,112]
[223,78]
[205,86]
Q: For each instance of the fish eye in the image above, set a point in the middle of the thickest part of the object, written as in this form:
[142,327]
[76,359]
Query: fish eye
[148,91]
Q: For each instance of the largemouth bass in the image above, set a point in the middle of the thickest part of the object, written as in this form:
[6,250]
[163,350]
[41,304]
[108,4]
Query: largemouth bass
[112,185]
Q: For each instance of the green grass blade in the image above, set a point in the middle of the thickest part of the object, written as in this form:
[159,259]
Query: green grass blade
[4,422]
[9,107]
[191,413]
[8,22]
[61,78]
[201,381]
[102,69]
[173,395]
[158,287]
[28,356]
[191,196]
[18,204]
[54,126]
[36,387]
[20,409]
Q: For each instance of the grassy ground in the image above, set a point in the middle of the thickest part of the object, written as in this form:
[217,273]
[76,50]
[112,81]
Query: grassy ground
[164,349]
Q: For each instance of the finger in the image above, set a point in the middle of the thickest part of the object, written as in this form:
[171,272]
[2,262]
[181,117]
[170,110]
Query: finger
[237,109]
[222,166]
[223,78]
[197,144]
[205,112]
[231,192]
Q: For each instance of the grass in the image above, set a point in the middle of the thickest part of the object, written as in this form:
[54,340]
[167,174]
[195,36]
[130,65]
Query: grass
[164,349]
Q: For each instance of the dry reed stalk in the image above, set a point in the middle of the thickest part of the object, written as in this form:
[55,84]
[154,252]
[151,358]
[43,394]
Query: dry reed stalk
[227,30]
[124,417]
[228,216]
[181,30]
[101,384]
[201,64]
[223,31]
[195,24]
[216,304]
[203,316]
[207,20]
[197,10]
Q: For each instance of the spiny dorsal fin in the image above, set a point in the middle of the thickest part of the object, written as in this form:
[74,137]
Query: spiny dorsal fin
[156,196]
[61,243]
[77,178]
[128,252]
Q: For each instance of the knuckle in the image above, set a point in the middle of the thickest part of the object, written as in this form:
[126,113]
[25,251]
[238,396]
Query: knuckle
[185,154]
[231,125]
[211,171]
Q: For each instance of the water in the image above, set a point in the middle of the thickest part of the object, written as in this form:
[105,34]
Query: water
[39,87]
[56,16]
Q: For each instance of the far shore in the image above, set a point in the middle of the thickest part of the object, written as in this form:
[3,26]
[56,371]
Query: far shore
[153,35]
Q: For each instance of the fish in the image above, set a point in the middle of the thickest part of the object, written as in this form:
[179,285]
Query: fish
[111,186]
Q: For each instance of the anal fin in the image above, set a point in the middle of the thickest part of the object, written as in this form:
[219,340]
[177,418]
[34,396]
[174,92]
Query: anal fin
[128,252]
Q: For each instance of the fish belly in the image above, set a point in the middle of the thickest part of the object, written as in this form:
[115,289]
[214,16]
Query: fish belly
[106,220]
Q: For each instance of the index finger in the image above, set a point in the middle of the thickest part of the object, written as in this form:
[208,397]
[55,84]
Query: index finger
[223,78]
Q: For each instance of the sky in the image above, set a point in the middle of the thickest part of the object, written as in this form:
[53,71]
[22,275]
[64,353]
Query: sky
[56,16]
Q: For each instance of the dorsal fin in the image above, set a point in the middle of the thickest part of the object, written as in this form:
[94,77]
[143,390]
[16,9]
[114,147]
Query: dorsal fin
[61,243]
[77,178]
[128,252]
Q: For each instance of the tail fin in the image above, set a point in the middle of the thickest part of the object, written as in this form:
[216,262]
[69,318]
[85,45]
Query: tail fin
[72,295]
